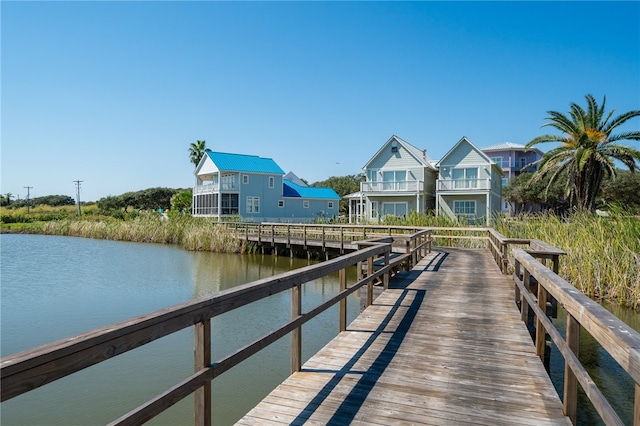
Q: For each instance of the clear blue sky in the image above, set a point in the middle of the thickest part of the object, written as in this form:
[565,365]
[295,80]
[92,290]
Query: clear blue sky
[113,93]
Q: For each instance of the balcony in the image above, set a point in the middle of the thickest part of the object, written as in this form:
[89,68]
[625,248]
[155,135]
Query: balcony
[463,184]
[214,188]
[393,186]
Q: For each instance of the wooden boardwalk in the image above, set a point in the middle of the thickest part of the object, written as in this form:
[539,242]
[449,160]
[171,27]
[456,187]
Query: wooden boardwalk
[443,346]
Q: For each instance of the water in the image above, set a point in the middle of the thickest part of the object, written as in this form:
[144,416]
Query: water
[56,287]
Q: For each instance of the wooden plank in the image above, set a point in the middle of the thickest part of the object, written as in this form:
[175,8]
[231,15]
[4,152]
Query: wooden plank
[442,345]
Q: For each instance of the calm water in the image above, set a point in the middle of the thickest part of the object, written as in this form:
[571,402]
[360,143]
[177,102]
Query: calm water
[56,287]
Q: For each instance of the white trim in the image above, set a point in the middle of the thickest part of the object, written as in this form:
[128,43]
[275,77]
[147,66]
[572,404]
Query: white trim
[281,203]
[305,204]
[245,179]
[253,204]
[272,182]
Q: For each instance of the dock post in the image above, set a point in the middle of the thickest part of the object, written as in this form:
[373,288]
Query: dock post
[570,399]
[202,359]
[296,335]
[370,283]
[343,301]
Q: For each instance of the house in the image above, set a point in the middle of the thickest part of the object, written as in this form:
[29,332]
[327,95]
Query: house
[257,190]
[399,178]
[469,184]
[514,159]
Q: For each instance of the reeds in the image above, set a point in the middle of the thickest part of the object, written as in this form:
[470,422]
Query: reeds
[191,233]
[603,253]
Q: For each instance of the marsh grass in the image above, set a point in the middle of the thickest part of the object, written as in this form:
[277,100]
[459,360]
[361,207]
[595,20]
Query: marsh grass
[191,233]
[603,253]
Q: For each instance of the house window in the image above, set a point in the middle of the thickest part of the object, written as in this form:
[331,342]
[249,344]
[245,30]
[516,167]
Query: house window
[523,162]
[272,181]
[394,180]
[230,203]
[374,209]
[394,209]
[253,204]
[464,208]
[465,178]
[280,203]
[245,179]
[305,204]
[228,181]
[497,160]
[504,182]
[330,204]
[372,175]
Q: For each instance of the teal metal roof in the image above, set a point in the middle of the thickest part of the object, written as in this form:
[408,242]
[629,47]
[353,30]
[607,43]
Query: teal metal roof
[244,163]
[291,189]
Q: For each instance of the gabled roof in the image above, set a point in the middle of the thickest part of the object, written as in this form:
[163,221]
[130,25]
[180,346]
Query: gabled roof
[509,146]
[295,179]
[420,155]
[244,163]
[292,189]
[467,141]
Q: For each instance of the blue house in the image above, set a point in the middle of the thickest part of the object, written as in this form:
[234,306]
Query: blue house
[257,190]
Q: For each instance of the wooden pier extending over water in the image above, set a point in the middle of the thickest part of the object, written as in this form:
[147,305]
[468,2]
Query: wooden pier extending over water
[445,342]
[443,345]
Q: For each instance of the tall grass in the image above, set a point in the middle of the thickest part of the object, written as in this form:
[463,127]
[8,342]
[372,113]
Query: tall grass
[191,233]
[603,253]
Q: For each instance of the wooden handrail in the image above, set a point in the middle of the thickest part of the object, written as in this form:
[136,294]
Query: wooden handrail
[617,338]
[28,370]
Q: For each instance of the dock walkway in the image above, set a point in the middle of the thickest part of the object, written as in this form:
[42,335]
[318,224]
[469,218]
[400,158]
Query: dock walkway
[444,345]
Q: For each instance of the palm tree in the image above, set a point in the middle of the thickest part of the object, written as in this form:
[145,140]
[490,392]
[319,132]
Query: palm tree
[588,149]
[196,151]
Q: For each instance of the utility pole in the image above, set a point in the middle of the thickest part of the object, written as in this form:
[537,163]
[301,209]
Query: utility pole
[78,195]
[28,202]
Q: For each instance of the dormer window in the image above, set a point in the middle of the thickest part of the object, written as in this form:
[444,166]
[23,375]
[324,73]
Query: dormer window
[394,149]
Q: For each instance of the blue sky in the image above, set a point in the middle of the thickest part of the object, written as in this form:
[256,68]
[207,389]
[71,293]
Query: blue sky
[113,93]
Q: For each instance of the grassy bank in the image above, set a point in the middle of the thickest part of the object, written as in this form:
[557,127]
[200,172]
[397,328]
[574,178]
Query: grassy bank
[191,233]
[603,253]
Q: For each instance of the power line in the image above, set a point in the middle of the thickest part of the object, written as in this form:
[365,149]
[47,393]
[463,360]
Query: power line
[78,182]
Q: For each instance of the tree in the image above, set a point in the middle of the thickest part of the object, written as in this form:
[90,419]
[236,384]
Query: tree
[196,151]
[343,185]
[6,200]
[524,192]
[622,190]
[588,149]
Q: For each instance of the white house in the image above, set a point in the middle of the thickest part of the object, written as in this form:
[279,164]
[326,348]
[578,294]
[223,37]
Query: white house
[469,184]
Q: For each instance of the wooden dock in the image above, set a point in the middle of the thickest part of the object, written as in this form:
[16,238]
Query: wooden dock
[443,345]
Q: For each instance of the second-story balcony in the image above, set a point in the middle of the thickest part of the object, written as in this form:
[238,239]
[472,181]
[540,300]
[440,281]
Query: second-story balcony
[393,186]
[215,187]
[463,184]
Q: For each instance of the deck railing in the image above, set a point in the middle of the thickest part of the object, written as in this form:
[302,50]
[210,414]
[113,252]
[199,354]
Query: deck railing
[615,337]
[28,370]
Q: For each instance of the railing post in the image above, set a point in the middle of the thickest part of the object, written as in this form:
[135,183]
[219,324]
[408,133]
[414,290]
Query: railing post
[408,251]
[341,240]
[570,399]
[323,239]
[296,335]
[370,283]
[259,234]
[385,276]
[430,240]
[516,272]
[524,306]
[343,301]
[541,342]
[636,409]
[505,258]
[273,235]
[202,359]
[288,236]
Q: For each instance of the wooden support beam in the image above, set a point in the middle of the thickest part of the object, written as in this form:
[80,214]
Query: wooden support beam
[296,334]
[570,399]
[202,359]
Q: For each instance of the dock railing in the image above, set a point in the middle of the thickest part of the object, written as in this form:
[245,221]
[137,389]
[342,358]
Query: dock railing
[615,337]
[28,370]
